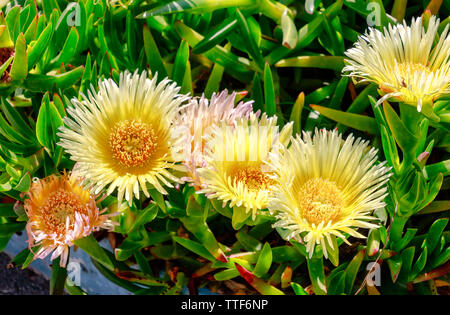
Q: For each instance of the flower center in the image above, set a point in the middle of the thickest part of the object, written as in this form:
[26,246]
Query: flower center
[409,67]
[59,206]
[252,177]
[132,142]
[320,200]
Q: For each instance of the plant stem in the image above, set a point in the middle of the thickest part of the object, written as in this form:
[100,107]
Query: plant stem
[58,278]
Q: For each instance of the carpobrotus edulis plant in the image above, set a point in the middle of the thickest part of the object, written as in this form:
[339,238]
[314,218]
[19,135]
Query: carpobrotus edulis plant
[324,187]
[195,166]
[121,136]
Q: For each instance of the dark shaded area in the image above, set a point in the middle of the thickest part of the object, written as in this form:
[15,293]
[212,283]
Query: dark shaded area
[15,281]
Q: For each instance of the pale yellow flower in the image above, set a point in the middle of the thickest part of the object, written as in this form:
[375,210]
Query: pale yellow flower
[121,137]
[235,170]
[408,63]
[194,124]
[325,187]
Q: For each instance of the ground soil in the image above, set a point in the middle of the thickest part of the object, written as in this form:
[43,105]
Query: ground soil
[15,281]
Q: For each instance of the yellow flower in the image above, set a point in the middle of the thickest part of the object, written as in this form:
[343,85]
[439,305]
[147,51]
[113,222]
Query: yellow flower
[120,137]
[235,170]
[407,62]
[195,122]
[60,212]
[325,187]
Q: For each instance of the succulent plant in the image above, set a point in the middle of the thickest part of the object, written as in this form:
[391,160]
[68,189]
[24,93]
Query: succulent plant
[94,88]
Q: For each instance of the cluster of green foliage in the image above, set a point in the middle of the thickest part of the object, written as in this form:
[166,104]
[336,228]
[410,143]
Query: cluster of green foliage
[288,55]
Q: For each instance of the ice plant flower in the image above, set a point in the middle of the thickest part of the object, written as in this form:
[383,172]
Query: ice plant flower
[324,187]
[60,212]
[195,122]
[235,170]
[407,62]
[121,135]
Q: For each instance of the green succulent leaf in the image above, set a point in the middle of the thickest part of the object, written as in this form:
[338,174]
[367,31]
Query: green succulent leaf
[90,245]
[356,121]
[240,215]
[19,67]
[269,91]
[216,36]
[337,283]
[195,247]
[395,265]
[47,124]
[10,228]
[69,48]
[41,83]
[154,59]
[39,46]
[253,48]
[24,184]
[194,6]
[264,261]
[298,290]
[6,210]
[352,270]
[404,138]
[434,235]
[317,274]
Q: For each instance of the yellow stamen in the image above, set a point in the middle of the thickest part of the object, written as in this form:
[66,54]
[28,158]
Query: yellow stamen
[252,177]
[320,200]
[132,142]
[59,206]
[407,69]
